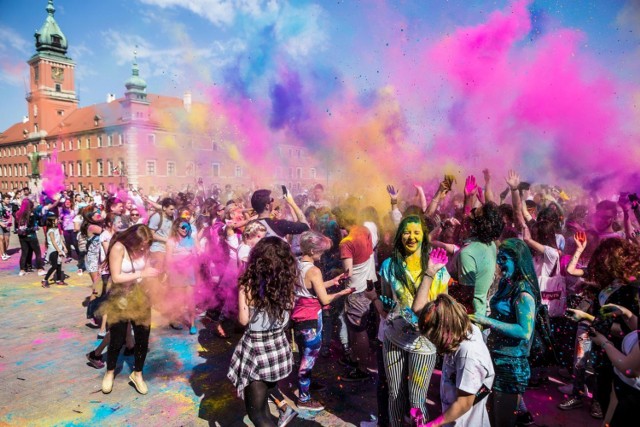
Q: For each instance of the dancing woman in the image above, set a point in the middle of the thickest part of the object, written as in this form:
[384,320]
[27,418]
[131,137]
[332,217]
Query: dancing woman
[409,357]
[128,302]
[512,321]
[263,356]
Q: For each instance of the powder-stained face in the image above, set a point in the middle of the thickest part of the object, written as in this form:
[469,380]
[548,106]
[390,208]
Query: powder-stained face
[117,208]
[412,238]
[603,219]
[506,263]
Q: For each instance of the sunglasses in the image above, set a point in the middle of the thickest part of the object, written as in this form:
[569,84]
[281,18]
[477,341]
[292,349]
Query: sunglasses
[135,214]
[184,227]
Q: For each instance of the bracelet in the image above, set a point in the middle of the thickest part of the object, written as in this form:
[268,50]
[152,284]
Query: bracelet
[428,275]
[514,189]
[94,293]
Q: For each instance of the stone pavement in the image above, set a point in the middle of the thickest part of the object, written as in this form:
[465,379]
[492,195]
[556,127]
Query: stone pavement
[45,379]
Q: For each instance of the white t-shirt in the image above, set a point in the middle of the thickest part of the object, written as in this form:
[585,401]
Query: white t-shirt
[545,264]
[243,252]
[468,369]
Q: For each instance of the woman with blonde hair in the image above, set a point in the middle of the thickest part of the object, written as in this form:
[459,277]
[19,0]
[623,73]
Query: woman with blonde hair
[467,370]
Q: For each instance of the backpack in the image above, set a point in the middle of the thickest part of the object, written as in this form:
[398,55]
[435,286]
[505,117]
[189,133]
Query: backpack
[159,224]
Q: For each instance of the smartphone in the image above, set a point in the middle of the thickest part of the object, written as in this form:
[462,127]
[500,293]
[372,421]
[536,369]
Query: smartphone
[284,191]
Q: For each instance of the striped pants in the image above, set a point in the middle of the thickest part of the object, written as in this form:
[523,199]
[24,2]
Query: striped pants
[408,376]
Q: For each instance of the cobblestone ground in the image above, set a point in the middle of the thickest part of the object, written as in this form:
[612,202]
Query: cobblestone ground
[45,378]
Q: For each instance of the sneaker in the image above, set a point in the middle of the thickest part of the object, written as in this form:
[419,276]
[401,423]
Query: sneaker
[348,362]
[5,257]
[45,283]
[310,405]
[42,273]
[596,410]
[22,273]
[286,416]
[524,419]
[95,362]
[193,330]
[571,403]
[79,272]
[102,334]
[356,375]
[566,389]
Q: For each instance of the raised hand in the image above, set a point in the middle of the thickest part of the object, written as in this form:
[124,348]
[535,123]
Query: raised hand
[486,173]
[513,179]
[446,183]
[393,193]
[470,186]
[613,310]
[437,259]
[581,240]
[480,195]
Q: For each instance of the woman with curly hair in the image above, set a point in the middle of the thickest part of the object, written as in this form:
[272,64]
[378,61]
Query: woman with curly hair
[512,320]
[408,356]
[265,297]
[613,265]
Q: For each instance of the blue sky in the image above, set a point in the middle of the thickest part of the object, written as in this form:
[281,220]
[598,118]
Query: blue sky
[238,45]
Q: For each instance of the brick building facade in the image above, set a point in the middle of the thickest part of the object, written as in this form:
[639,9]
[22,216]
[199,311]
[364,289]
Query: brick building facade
[140,139]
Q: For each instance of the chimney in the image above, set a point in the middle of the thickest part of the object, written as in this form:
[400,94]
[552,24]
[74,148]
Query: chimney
[186,101]
[110,97]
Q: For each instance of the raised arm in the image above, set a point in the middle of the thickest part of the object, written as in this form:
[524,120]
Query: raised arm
[488,191]
[470,194]
[421,197]
[581,243]
[396,215]
[443,189]
[513,180]
[525,314]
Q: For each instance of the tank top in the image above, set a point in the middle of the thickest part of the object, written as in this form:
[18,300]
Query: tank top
[307,306]
[129,267]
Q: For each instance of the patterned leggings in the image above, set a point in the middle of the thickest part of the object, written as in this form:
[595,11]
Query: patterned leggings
[408,376]
[309,342]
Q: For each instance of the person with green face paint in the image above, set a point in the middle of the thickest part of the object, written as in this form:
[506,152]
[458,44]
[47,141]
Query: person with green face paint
[409,357]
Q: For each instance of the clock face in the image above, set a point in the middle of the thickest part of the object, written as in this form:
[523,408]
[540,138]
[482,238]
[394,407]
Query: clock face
[57,73]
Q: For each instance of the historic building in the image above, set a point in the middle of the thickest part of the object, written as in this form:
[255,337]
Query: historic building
[140,139]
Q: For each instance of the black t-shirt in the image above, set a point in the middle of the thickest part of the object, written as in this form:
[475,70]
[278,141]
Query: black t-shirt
[283,227]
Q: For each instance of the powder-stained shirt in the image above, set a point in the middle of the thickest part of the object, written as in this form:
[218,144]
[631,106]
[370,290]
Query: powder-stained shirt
[358,245]
[468,369]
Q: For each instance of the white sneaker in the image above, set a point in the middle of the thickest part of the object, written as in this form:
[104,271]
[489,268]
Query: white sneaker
[22,273]
[42,273]
[5,257]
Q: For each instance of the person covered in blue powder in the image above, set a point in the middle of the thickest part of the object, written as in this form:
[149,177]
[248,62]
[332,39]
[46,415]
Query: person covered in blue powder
[182,256]
[511,323]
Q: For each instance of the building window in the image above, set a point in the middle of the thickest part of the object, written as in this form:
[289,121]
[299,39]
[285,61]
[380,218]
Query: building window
[58,88]
[120,139]
[70,145]
[24,150]
[87,144]
[99,167]
[78,144]
[215,167]
[215,146]
[298,153]
[238,171]
[171,168]
[48,145]
[70,169]
[60,113]
[151,139]
[99,141]
[79,168]
[62,146]
[151,167]
[312,173]
[88,168]
[53,146]
[299,173]
[110,141]
[191,169]
[290,173]
[109,168]
[63,166]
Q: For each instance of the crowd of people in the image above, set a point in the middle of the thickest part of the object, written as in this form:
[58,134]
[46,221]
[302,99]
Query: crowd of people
[493,288]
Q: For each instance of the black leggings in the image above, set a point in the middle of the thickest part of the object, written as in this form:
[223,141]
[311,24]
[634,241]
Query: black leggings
[71,239]
[118,333]
[256,401]
[29,245]
[55,266]
[503,409]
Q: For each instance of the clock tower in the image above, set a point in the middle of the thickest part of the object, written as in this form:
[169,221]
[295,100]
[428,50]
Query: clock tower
[52,93]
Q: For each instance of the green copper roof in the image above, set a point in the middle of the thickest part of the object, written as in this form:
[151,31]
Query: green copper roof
[49,38]
[135,82]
